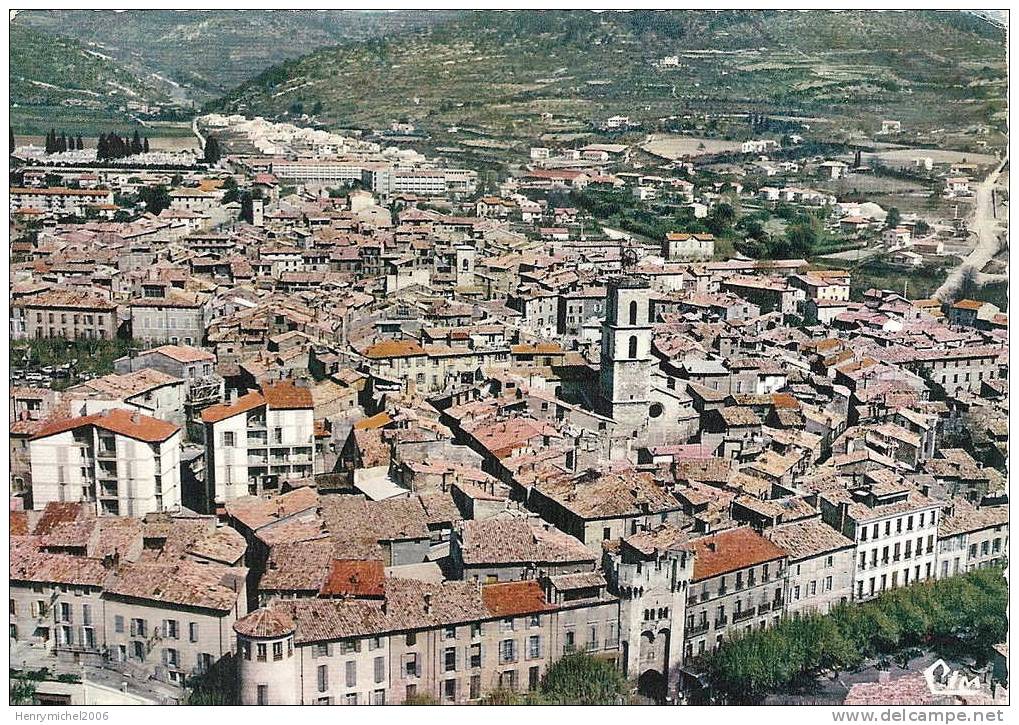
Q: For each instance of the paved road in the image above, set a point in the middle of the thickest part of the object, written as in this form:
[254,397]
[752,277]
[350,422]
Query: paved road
[986,227]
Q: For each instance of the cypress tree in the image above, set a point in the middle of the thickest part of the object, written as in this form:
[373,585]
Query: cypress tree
[145,145]
[80,144]
[102,148]
[12,138]
[136,143]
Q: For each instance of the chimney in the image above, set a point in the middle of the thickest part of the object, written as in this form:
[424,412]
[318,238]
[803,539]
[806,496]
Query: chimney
[136,417]
[428,603]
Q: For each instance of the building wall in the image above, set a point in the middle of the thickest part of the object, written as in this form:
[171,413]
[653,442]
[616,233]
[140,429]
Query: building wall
[819,583]
[873,574]
[354,659]
[69,323]
[198,632]
[168,324]
[710,620]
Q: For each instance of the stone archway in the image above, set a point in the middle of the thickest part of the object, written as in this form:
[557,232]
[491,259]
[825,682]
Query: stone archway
[652,684]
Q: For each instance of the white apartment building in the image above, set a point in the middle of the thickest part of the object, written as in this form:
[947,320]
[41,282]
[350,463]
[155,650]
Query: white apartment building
[58,199]
[318,170]
[895,529]
[122,462]
[262,438]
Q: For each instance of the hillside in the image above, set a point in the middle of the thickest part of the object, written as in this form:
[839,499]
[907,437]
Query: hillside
[56,81]
[497,72]
[205,53]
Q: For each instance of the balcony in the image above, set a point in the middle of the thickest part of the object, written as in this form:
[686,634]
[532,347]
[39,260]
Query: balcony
[777,602]
[697,629]
[743,615]
[764,608]
[721,622]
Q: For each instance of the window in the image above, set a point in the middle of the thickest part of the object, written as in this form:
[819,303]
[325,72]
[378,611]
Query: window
[507,625]
[260,652]
[410,665]
[378,697]
[263,695]
[592,636]
[449,659]
[170,657]
[534,621]
[118,624]
[475,630]
[323,678]
[475,687]
[380,669]
[322,650]
[476,655]
[449,633]
[633,313]
[277,651]
[507,651]
[412,639]
[229,439]
[449,690]
[170,629]
[350,699]
[633,346]
[534,647]
[193,631]
[606,533]
[351,673]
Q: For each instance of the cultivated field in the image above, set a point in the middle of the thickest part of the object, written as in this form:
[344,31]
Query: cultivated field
[677,147]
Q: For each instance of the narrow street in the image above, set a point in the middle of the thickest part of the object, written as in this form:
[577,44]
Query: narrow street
[984,224]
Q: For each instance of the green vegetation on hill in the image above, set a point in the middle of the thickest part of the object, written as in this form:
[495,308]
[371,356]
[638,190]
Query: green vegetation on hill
[497,72]
[53,77]
[961,615]
[206,52]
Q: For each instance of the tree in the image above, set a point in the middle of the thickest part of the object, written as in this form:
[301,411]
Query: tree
[155,198]
[22,691]
[580,679]
[145,145]
[801,239]
[212,152]
[136,143]
[893,219]
[12,138]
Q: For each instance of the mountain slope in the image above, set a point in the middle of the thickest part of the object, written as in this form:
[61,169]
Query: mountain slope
[498,71]
[208,52]
[47,69]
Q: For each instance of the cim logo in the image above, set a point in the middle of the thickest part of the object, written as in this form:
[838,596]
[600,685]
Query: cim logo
[942,680]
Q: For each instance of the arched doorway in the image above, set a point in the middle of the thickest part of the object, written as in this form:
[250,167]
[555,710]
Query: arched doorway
[651,684]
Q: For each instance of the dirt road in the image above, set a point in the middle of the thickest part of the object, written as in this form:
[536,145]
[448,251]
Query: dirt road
[984,224]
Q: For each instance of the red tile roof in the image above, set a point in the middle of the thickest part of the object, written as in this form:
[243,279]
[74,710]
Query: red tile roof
[119,421]
[265,624]
[515,598]
[285,395]
[728,551]
[394,349]
[222,411]
[184,353]
[355,578]
[379,420]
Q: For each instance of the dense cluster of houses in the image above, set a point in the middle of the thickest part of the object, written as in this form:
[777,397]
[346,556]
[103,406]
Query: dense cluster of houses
[384,446]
